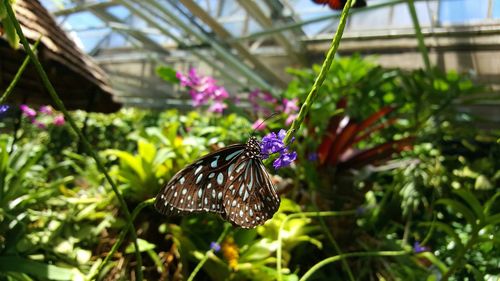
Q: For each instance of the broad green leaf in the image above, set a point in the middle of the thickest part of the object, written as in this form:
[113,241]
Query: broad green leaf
[146,150]
[167,73]
[37,269]
[143,246]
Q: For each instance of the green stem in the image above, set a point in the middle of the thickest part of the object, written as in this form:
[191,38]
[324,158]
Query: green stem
[298,215]
[420,36]
[227,227]
[335,245]
[313,93]
[118,242]
[72,123]
[17,77]
[326,261]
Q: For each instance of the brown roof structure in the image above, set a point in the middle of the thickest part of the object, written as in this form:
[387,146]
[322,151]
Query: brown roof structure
[79,81]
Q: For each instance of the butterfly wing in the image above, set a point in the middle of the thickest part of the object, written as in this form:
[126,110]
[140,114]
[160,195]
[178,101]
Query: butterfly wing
[200,186]
[250,198]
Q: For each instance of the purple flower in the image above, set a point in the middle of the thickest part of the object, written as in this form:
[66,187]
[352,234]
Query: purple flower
[215,246]
[285,159]
[273,143]
[3,108]
[27,111]
[417,248]
[313,156]
[59,120]
[45,109]
[266,96]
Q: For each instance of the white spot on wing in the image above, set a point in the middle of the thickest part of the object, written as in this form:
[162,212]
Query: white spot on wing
[220,178]
[214,163]
[198,169]
[198,179]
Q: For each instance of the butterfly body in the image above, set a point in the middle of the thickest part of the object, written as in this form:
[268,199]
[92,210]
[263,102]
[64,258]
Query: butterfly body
[231,182]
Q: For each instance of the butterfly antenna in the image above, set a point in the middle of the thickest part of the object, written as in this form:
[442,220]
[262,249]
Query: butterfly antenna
[264,121]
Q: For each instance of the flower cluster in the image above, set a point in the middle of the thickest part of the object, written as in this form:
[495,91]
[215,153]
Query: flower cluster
[44,117]
[204,90]
[230,252]
[263,103]
[273,143]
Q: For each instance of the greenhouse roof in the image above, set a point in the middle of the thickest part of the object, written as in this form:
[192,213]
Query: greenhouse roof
[237,40]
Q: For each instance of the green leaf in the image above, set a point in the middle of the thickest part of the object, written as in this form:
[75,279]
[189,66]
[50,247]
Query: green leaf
[492,220]
[472,201]
[482,183]
[143,246]
[168,74]
[37,269]
[459,207]
[146,150]
[445,228]
[434,260]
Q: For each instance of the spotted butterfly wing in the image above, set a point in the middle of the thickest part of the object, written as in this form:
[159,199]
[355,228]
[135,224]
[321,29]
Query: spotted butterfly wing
[232,182]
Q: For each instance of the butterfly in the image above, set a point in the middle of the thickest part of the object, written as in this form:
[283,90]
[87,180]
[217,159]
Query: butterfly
[232,182]
[339,4]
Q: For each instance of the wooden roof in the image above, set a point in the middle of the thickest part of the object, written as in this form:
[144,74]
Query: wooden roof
[78,80]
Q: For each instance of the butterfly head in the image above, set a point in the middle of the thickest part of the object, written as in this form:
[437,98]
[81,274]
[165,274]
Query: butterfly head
[252,149]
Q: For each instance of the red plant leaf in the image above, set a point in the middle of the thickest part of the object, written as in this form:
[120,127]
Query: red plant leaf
[375,129]
[375,117]
[331,133]
[378,153]
[342,142]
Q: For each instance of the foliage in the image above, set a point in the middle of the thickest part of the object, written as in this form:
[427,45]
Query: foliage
[45,224]
[59,218]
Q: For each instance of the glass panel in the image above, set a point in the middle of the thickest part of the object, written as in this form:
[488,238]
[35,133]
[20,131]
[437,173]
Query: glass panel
[462,11]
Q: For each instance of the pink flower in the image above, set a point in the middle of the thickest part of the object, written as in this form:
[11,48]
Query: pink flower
[46,109]
[38,124]
[198,98]
[290,106]
[27,111]
[259,125]
[220,94]
[59,120]
[290,119]
[217,107]
[204,89]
